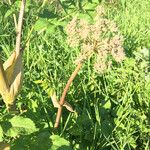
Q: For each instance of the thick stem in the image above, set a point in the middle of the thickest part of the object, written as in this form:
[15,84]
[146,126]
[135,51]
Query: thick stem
[19,27]
[62,99]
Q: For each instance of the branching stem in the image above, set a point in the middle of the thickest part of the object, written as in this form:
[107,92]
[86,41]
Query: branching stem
[62,99]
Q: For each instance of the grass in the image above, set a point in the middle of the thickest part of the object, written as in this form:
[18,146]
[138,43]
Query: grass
[112,110]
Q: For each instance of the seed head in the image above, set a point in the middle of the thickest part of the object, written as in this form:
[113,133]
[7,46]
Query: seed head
[101,38]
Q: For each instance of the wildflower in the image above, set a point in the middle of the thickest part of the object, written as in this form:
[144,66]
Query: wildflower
[101,38]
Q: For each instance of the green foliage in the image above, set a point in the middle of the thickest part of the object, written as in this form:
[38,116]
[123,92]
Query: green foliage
[59,143]
[112,109]
[18,126]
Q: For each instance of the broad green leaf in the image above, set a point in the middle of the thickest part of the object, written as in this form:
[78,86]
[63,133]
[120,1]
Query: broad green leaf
[21,126]
[40,141]
[59,143]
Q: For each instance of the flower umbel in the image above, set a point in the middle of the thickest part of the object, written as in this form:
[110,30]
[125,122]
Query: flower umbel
[101,37]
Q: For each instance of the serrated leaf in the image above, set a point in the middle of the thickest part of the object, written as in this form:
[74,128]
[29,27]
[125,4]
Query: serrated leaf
[20,126]
[59,143]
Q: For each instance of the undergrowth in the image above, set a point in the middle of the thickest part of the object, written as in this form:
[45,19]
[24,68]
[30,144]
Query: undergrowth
[111,109]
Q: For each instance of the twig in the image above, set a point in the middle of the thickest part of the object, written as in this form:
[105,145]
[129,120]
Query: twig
[19,27]
[62,99]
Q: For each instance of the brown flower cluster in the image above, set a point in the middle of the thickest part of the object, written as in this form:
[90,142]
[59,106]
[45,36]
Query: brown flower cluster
[101,37]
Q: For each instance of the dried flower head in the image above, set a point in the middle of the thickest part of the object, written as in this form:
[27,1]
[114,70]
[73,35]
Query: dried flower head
[101,37]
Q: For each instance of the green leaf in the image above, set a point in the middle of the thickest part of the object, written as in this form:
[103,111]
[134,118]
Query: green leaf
[21,126]
[107,104]
[40,141]
[59,143]
[41,24]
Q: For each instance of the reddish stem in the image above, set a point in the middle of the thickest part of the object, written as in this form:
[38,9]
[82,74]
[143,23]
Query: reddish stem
[62,99]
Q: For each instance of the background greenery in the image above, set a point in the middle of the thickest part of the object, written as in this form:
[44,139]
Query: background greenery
[112,109]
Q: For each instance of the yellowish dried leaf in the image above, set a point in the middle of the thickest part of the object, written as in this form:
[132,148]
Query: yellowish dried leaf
[11,74]
[17,76]
[54,100]
[3,80]
[68,107]
[9,65]
[57,105]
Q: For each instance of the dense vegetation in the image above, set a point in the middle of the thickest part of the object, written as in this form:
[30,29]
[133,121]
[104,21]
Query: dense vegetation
[111,108]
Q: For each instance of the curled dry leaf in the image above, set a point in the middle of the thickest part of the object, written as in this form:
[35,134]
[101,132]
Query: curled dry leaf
[57,105]
[13,73]
[68,107]
[54,100]
[3,81]
[17,76]
[9,67]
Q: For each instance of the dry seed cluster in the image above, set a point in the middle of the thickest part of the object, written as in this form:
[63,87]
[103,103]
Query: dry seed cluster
[101,37]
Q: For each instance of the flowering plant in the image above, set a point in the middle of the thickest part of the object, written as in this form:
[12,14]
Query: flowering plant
[101,37]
